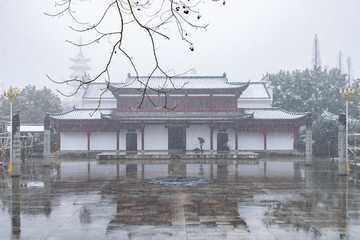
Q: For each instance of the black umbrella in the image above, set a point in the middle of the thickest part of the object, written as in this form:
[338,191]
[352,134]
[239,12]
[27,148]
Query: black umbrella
[201,140]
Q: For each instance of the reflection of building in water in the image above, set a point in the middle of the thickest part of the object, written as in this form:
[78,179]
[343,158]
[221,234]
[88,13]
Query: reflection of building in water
[205,107]
[15,208]
[172,206]
[342,205]
[94,171]
[136,210]
[177,169]
[318,207]
[29,196]
[274,198]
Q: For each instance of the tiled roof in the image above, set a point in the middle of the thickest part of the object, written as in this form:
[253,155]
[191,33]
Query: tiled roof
[183,82]
[272,114]
[84,114]
[94,90]
[81,114]
[255,90]
[256,113]
[179,116]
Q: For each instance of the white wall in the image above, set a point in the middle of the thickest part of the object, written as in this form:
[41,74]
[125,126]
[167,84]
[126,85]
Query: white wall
[73,141]
[251,141]
[122,139]
[156,137]
[93,103]
[193,132]
[280,141]
[231,136]
[103,141]
[254,103]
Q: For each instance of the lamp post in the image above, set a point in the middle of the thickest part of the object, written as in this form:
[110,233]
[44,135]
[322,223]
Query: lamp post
[347,93]
[11,94]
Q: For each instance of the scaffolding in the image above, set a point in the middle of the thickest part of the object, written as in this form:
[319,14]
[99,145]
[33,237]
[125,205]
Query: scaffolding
[4,146]
[27,145]
[354,146]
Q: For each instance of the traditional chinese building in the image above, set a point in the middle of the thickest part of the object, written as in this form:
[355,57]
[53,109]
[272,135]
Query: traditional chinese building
[222,113]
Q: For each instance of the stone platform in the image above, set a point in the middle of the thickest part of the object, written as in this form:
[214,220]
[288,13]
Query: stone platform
[165,155]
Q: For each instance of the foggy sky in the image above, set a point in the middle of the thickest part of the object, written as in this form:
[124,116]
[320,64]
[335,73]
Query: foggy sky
[245,38]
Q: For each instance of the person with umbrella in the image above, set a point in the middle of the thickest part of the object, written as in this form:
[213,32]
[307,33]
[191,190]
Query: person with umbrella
[201,141]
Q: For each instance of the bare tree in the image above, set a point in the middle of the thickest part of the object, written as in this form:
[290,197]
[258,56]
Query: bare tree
[153,17]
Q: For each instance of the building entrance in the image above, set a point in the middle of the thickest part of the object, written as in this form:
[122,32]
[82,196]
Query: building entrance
[222,138]
[131,142]
[177,138]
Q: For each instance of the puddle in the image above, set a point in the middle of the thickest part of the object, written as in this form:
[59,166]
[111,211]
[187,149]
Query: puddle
[179,181]
[270,200]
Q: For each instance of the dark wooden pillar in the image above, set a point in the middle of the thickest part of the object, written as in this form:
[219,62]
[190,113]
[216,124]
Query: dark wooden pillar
[142,136]
[236,136]
[295,140]
[265,134]
[58,140]
[88,141]
[117,140]
[211,137]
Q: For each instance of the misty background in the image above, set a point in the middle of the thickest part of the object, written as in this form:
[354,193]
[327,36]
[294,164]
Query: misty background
[246,39]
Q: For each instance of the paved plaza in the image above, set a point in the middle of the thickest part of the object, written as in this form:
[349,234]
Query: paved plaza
[269,199]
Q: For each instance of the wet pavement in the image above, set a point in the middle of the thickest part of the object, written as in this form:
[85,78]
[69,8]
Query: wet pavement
[88,199]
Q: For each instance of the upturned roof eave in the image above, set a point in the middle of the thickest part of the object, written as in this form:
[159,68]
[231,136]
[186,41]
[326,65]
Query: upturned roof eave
[61,116]
[117,117]
[300,115]
[238,87]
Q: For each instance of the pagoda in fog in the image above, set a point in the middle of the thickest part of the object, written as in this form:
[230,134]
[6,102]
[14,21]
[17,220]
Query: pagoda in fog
[80,71]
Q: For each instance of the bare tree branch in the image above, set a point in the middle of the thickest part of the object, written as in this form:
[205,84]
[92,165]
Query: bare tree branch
[155,18]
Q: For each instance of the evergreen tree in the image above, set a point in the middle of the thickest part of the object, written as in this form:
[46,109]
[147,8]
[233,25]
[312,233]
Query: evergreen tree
[32,105]
[316,91]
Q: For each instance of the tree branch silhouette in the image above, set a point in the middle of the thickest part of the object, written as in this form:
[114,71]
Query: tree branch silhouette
[152,17]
